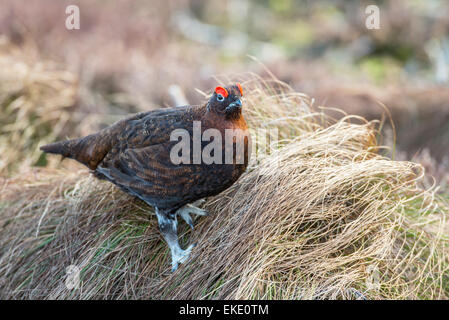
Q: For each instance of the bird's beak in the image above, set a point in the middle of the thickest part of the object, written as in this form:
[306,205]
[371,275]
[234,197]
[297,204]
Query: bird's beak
[234,106]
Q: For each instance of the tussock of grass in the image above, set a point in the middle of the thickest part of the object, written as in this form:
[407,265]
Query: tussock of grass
[321,216]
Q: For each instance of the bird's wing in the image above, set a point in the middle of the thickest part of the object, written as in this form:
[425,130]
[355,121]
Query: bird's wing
[150,174]
[147,129]
[156,126]
[140,160]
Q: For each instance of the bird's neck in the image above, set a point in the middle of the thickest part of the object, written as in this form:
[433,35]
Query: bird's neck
[220,121]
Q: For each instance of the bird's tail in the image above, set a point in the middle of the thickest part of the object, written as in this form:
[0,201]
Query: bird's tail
[86,150]
[91,149]
[61,147]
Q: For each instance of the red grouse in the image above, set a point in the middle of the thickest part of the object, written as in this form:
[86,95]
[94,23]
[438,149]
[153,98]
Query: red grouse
[140,154]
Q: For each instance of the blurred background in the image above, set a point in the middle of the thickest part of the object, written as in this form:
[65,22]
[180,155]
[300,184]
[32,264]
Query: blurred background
[131,56]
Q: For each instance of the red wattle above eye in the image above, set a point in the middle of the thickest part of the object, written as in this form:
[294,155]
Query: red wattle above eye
[240,88]
[222,91]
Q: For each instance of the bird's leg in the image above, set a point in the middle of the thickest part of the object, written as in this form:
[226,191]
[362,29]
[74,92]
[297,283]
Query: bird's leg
[185,211]
[168,227]
[198,202]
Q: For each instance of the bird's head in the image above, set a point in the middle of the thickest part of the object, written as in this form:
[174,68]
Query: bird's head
[227,101]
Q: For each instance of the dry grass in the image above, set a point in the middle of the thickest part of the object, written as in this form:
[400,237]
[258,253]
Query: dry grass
[323,216]
[35,97]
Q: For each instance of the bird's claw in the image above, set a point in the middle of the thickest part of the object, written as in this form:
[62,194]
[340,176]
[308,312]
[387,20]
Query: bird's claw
[181,257]
[185,211]
[187,218]
[195,210]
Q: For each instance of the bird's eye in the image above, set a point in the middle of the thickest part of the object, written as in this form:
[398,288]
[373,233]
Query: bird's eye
[220,97]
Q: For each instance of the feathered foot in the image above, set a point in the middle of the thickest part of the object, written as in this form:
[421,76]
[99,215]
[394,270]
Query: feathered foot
[168,226]
[185,211]
[180,256]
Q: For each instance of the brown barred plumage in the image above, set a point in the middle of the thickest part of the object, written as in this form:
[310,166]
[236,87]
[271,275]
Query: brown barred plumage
[134,154]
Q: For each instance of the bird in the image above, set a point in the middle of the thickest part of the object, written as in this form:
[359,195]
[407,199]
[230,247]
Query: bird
[140,155]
